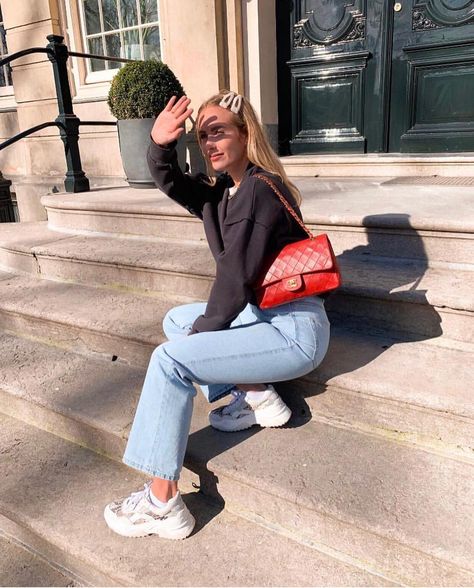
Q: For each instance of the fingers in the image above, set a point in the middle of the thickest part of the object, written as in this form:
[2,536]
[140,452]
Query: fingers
[172,104]
[180,120]
[171,101]
[177,134]
[180,106]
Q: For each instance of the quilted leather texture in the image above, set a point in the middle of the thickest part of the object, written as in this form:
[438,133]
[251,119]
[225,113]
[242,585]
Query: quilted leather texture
[301,269]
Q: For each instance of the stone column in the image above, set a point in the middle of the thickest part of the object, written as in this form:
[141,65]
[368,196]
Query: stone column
[202,43]
[259,32]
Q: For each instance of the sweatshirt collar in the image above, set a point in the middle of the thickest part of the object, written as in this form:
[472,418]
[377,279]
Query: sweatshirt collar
[250,170]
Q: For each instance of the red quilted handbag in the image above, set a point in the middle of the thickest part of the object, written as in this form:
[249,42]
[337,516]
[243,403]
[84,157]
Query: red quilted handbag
[304,268]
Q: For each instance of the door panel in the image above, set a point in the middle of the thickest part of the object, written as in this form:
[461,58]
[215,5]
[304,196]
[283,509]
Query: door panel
[330,102]
[432,99]
[337,87]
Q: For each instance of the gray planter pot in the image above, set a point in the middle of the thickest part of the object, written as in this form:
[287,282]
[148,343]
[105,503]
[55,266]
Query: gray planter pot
[134,138]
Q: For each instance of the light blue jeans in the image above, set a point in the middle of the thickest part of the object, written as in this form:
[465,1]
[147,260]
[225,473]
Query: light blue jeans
[261,346]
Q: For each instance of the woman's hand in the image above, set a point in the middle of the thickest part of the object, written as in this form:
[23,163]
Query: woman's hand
[168,126]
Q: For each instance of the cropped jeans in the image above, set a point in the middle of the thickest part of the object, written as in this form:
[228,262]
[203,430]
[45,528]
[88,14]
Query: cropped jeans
[260,346]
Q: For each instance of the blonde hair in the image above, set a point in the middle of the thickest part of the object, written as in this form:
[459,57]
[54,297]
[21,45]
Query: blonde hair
[259,150]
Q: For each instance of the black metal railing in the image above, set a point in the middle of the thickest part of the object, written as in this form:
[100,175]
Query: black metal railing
[66,121]
[7,206]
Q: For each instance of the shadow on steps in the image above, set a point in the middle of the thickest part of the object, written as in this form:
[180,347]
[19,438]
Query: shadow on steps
[392,322]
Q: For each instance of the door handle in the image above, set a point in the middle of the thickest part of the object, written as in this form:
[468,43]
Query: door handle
[397,6]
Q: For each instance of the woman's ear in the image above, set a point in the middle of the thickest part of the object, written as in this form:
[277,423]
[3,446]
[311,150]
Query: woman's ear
[244,136]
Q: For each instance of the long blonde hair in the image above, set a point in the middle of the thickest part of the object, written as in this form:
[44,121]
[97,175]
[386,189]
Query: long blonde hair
[259,150]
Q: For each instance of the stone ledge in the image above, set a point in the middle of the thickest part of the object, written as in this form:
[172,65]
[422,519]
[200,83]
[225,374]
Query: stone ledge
[380,164]
[364,202]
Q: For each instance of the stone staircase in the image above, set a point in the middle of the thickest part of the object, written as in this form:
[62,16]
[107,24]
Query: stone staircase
[372,481]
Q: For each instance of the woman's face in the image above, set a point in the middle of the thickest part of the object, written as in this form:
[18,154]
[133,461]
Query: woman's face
[221,141]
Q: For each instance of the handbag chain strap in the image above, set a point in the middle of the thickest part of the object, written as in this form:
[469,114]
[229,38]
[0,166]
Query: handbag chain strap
[285,204]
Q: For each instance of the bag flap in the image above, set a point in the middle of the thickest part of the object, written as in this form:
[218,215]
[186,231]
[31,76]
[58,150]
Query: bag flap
[296,259]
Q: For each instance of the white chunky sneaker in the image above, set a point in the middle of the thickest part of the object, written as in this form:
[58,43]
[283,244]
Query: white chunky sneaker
[136,516]
[242,413]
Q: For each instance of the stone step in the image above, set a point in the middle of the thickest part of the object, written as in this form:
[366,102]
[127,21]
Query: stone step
[159,265]
[406,296]
[428,223]
[126,327]
[21,566]
[123,211]
[53,496]
[366,497]
[380,164]
[112,324]
[385,293]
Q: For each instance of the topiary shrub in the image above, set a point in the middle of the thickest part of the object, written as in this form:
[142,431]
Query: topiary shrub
[142,89]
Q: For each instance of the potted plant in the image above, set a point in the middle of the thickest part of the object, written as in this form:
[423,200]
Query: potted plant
[138,92]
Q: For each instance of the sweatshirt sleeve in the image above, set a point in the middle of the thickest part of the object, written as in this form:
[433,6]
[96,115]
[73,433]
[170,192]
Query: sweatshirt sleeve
[191,192]
[247,241]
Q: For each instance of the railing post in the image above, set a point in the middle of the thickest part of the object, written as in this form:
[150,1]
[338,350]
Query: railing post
[7,213]
[76,180]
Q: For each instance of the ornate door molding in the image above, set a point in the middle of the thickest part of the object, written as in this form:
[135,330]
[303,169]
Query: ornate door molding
[435,14]
[323,23]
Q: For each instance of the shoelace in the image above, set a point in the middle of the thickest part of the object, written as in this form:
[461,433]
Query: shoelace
[239,397]
[236,394]
[131,501]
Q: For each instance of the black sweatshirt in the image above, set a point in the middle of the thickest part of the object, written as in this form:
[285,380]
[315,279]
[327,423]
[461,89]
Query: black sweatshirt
[242,230]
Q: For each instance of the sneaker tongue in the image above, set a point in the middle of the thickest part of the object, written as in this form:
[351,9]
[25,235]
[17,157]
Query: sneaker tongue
[131,501]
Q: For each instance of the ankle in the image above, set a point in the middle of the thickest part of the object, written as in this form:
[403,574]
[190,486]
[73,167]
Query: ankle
[164,490]
[252,387]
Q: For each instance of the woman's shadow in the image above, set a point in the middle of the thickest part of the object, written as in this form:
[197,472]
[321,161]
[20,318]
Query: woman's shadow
[382,303]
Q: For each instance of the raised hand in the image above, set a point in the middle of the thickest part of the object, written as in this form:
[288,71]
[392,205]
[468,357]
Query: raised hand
[168,126]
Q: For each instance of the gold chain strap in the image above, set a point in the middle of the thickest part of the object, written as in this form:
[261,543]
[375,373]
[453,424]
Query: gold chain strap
[285,204]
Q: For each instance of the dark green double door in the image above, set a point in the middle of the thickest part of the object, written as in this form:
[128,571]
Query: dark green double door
[376,75]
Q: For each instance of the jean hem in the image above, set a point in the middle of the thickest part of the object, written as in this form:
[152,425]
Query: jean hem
[148,470]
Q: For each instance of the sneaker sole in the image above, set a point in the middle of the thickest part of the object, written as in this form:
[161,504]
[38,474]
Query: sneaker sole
[274,422]
[147,530]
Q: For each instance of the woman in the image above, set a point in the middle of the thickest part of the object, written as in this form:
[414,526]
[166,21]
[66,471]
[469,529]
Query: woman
[229,344]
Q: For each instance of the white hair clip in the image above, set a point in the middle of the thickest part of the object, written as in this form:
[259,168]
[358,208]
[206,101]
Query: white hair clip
[232,101]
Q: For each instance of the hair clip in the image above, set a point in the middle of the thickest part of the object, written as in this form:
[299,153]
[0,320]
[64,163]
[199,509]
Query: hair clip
[232,101]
